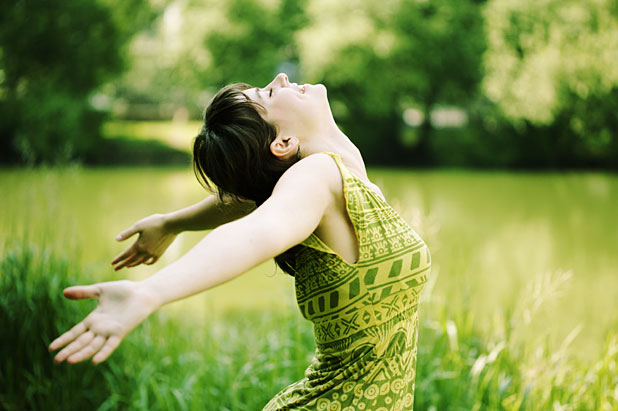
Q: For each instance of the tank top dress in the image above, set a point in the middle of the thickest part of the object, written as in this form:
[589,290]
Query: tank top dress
[364,315]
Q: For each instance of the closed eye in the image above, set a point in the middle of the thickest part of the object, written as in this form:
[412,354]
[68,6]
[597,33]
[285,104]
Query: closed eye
[270,94]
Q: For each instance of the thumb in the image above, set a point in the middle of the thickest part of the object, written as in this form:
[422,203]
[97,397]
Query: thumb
[126,233]
[78,292]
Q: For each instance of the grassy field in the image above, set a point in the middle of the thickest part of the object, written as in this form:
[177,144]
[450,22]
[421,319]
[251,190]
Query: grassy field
[175,134]
[519,313]
[238,360]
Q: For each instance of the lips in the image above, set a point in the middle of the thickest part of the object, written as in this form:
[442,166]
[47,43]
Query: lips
[301,88]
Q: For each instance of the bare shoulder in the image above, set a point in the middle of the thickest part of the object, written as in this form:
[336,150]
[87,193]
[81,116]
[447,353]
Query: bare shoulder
[316,171]
[304,192]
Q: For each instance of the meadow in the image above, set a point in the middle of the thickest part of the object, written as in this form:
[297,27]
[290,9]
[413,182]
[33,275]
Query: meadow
[519,313]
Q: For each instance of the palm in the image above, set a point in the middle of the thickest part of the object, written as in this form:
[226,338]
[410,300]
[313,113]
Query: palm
[152,242]
[122,306]
[155,242]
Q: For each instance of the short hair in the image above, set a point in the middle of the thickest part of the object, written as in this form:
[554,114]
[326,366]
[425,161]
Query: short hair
[231,153]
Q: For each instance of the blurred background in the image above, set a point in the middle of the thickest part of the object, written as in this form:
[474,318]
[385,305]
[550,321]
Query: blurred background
[498,84]
[491,126]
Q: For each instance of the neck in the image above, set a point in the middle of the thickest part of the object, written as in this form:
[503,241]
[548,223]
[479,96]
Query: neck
[329,139]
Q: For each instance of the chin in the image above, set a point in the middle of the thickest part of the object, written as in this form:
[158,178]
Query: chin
[320,90]
[316,88]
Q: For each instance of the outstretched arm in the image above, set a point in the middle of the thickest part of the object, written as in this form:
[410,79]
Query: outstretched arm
[208,214]
[290,215]
[158,231]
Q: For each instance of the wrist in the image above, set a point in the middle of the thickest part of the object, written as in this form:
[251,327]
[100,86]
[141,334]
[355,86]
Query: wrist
[149,298]
[170,223]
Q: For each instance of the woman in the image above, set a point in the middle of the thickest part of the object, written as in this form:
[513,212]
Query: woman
[292,186]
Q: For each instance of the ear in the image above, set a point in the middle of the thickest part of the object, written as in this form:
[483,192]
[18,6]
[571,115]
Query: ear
[284,147]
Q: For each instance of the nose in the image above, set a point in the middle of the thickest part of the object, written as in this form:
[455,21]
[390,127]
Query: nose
[280,80]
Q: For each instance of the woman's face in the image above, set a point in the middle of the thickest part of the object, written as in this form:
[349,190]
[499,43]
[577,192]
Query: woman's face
[293,109]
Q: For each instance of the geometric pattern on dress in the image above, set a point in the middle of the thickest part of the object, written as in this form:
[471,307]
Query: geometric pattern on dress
[364,315]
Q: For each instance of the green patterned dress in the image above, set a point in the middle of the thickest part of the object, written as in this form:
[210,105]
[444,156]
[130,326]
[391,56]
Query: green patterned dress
[364,315]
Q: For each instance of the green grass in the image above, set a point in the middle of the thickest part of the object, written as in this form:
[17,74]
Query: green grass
[175,134]
[239,360]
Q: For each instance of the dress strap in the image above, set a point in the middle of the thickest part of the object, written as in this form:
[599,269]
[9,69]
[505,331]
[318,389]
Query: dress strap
[353,196]
[353,192]
[363,203]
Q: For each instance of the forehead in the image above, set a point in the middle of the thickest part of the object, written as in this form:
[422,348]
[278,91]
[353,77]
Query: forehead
[253,94]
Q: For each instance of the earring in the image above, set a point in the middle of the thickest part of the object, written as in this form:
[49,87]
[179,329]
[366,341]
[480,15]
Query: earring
[298,153]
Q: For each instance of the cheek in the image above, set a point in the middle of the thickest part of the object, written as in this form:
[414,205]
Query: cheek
[291,111]
[289,108]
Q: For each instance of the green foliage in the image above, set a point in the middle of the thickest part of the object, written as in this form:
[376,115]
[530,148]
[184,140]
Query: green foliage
[415,55]
[72,44]
[541,49]
[551,68]
[47,124]
[32,314]
[254,43]
[54,54]
[547,70]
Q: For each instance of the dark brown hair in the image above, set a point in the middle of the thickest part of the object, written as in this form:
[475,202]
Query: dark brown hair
[232,151]
[231,154]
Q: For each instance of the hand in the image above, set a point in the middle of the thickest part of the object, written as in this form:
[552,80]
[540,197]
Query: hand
[153,240]
[123,305]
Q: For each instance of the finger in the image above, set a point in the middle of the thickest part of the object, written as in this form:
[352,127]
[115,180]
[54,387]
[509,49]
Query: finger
[78,292]
[67,337]
[152,260]
[138,260]
[87,351]
[125,254]
[126,261]
[75,346]
[127,233]
[110,345]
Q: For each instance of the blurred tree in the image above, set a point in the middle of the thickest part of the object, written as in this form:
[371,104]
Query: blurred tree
[53,53]
[197,46]
[412,54]
[165,61]
[551,68]
[438,59]
[256,43]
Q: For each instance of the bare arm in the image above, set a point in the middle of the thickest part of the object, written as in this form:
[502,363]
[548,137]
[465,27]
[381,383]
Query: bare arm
[290,215]
[208,214]
[158,231]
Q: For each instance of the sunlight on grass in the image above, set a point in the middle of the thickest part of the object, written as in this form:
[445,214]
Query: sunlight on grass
[518,313]
[177,134]
[238,359]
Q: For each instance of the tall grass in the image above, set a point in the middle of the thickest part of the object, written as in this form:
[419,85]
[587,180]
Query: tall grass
[240,360]
[460,367]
